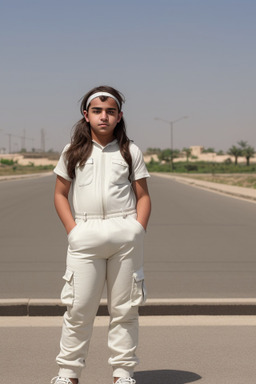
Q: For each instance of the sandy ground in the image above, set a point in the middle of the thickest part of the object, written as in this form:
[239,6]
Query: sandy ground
[239,180]
[22,161]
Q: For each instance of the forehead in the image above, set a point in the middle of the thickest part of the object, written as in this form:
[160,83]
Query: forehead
[109,103]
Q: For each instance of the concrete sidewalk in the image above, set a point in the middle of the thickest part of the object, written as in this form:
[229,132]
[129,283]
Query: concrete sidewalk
[172,350]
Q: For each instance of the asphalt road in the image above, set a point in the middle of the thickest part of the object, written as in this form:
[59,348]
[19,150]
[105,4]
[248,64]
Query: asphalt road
[198,245]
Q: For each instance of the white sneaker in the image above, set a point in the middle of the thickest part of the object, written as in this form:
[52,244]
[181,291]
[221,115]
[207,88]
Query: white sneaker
[125,380]
[61,380]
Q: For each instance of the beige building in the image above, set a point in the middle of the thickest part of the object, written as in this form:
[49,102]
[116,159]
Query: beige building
[196,150]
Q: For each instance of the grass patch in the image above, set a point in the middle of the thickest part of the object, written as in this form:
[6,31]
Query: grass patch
[16,169]
[240,175]
[200,167]
[240,180]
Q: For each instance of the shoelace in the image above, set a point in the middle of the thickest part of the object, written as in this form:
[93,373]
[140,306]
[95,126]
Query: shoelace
[125,380]
[60,380]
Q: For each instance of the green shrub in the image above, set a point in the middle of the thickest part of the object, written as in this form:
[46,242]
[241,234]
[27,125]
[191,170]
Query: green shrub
[201,167]
[7,161]
[191,167]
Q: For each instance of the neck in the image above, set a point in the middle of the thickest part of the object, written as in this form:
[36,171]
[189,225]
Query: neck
[103,141]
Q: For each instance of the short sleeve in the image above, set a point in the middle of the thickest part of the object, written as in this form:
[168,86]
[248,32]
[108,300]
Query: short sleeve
[138,165]
[61,167]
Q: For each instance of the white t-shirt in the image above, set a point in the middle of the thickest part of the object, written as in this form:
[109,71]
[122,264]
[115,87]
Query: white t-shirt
[101,186]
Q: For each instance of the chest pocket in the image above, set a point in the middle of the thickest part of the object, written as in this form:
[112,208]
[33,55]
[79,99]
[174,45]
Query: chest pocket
[85,174]
[119,171]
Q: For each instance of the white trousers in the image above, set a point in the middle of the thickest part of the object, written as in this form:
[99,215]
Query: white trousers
[99,250]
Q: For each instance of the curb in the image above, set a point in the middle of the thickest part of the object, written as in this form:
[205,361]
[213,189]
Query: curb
[230,190]
[25,176]
[153,307]
[242,195]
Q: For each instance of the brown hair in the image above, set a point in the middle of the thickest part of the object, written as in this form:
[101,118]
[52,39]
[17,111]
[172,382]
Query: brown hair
[81,140]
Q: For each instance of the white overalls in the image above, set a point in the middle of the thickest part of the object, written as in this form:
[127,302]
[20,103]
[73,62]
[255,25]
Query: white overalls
[105,245]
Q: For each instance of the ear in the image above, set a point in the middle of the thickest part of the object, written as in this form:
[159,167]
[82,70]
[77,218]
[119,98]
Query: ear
[120,115]
[86,116]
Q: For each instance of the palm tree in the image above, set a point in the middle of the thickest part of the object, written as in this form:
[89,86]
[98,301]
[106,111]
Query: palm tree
[242,143]
[248,152]
[235,151]
[187,152]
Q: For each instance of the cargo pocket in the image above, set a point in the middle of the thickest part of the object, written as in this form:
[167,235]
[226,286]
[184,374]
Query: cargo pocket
[67,293]
[138,294]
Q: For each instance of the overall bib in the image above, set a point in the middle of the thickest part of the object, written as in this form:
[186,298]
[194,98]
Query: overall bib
[106,245]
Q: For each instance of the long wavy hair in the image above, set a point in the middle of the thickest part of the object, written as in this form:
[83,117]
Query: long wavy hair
[81,140]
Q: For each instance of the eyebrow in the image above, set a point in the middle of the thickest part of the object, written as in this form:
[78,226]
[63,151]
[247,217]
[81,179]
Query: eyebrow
[108,109]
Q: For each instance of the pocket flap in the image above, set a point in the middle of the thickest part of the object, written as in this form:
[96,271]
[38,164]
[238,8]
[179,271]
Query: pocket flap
[119,162]
[139,275]
[88,161]
[68,275]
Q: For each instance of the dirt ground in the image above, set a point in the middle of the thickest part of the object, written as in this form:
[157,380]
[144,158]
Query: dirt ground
[240,180]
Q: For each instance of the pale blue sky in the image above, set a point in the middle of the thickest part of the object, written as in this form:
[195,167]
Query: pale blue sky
[169,58]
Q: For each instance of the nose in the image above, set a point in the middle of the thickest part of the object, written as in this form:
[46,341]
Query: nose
[104,115]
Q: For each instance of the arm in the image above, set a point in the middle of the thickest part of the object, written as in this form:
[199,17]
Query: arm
[143,201]
[62,204]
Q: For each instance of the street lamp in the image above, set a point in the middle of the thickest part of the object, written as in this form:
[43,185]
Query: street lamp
[171,123]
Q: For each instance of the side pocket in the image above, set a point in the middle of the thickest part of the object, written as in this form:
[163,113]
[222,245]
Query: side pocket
[138,224]
[72,230]
[67,293]
[138,294]
[73,235]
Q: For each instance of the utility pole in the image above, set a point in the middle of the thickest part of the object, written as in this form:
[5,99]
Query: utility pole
[42,140]
[171,123]
[23,140]
[10,142]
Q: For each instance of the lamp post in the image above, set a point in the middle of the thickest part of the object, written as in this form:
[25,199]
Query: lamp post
[171,123]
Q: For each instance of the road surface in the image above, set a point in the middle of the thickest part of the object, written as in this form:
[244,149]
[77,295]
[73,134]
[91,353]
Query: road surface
[198,245]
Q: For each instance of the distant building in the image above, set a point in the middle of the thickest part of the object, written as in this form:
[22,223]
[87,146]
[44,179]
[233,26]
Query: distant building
[196,150]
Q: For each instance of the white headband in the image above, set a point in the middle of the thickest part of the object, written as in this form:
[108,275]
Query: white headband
[98,94]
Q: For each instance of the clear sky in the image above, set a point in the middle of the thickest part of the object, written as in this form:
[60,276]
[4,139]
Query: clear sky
[170,58]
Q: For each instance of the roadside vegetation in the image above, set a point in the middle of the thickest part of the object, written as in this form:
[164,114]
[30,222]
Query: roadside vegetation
[10,167]
[229,172]
[200,167]
[226,172]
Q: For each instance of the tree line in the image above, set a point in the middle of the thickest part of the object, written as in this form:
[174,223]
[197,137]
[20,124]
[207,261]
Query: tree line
[243,149]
